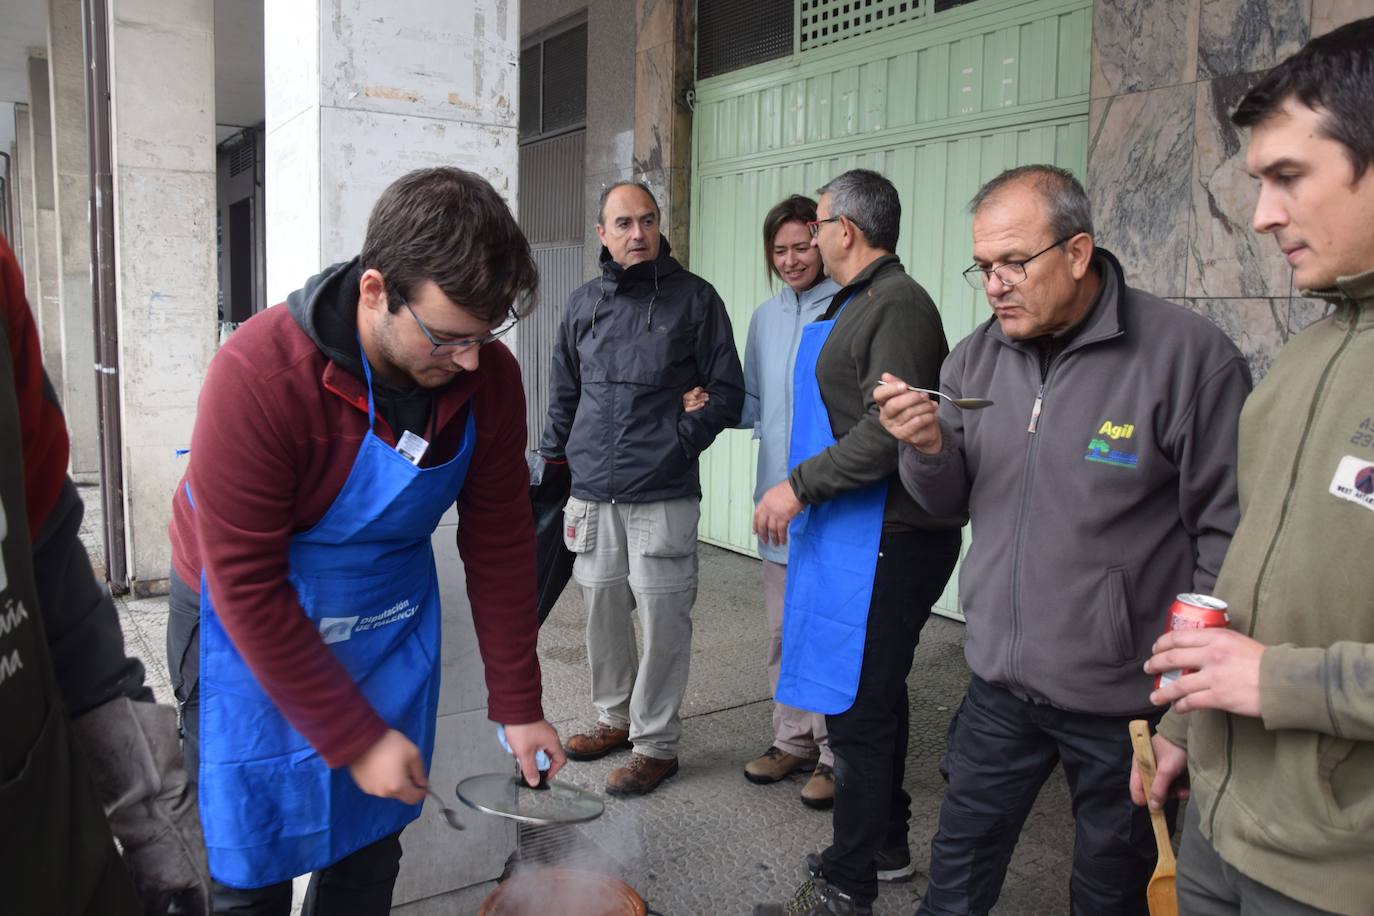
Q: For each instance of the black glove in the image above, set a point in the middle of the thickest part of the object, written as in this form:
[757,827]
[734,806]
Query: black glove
[133,753]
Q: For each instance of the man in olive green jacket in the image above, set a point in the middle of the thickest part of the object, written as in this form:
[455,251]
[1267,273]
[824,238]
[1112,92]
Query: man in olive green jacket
[1276,728]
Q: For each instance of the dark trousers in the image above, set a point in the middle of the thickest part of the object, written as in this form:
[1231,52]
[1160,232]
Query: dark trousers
[1001,750]
[359,884]
[1208,886]
[869,740]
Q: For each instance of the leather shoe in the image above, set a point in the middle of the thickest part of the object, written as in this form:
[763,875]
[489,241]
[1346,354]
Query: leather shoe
[775,764]
[819,791]
[641,775]
[597,743]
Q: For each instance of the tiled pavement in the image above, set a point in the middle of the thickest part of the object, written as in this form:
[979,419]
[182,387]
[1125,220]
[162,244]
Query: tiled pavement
[708,842]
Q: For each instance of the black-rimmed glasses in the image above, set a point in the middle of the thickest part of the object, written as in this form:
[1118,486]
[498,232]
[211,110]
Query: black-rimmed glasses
[448,346]
[1010,273]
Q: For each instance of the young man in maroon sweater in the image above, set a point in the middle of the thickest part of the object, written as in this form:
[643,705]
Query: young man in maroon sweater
[332,432]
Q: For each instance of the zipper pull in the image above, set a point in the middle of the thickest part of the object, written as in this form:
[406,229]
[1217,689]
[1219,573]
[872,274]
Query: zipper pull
[1035,411]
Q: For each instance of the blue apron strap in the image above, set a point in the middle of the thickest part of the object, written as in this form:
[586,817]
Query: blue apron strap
[367,374]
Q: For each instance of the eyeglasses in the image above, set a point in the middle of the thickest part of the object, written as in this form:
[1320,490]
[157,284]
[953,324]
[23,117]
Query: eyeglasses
[1010,273]
[447,346]
[814,225]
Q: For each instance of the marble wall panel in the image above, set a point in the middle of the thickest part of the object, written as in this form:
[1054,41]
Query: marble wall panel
[1143,44]
[1259,326]
[1228,258]
[1139,168]
[1238,36]
[1329,14]
[1302,313]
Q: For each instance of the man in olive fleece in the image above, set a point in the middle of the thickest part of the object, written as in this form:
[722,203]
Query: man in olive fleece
[880,321]
[1276,728]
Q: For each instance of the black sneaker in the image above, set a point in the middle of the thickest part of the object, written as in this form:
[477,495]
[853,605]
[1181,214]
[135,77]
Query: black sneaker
[815,898]
[894,864]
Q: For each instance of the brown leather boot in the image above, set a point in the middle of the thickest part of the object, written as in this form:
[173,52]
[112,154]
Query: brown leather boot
[597,743]
[641,775]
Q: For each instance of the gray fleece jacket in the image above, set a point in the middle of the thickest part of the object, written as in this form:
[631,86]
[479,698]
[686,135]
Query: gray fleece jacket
[1088,519]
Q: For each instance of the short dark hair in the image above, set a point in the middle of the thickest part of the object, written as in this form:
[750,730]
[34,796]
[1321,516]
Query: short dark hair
[797,208]
[1333,73]
[1068,210]
[450,226]
[606,195]
[870,202]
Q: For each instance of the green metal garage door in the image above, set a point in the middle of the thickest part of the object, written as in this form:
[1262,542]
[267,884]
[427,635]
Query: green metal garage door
[939,105]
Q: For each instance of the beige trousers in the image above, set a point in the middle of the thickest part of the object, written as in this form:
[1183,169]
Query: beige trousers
[796,731]
[637,556]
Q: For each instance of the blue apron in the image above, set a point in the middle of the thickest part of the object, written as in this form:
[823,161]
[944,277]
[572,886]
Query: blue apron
[830,563]
[270,807]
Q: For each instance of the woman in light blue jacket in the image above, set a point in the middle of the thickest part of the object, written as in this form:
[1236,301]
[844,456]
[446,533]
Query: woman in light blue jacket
[774,333]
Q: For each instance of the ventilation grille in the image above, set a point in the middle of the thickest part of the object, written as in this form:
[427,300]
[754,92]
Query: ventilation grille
[531,61]
[565,80]
[553,84]
[824,22]
[732,34]
[242,157]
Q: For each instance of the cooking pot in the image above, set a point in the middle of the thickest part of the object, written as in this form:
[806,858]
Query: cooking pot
[565,891]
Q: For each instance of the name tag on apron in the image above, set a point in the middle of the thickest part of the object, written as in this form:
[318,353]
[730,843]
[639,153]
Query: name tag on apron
[412,447]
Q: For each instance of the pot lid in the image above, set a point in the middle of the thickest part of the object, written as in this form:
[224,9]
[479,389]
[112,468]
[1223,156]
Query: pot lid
[506,795]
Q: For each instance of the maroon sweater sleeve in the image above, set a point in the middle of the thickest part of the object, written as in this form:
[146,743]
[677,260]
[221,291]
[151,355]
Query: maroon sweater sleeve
[243,478]
[41,426]
[496,542]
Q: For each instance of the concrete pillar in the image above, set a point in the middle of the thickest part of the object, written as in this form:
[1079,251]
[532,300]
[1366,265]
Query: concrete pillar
[71,166]
[357,95]
[163,163]
[24,215]
[665,49]
[47,304]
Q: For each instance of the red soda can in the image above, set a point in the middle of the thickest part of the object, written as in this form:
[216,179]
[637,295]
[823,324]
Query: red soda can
[1192,612]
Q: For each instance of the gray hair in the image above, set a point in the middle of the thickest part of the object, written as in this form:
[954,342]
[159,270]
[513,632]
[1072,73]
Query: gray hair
[1066,203]
[606,194]
[870,202]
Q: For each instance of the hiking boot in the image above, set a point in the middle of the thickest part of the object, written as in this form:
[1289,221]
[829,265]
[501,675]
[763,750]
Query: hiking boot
[815,898]
[894,864]
[641,775]
[597,743]
[775,764]
[819,791]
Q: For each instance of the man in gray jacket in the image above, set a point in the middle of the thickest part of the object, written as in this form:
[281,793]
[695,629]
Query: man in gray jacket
[1100,484]
[630,344]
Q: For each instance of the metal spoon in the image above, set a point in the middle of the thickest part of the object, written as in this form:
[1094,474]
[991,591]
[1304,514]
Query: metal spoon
[449,814]
[961,403]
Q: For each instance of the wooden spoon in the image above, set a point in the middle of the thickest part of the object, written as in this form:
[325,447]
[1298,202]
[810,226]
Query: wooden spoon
[1161,894]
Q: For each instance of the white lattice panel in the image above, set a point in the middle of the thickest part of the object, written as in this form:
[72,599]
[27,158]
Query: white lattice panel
[823,22]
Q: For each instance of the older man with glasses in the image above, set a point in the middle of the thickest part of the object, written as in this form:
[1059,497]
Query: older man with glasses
[1100,484]
[865,563]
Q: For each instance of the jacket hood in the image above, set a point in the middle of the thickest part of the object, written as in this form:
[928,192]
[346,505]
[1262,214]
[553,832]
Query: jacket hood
[325,308]
[644,272]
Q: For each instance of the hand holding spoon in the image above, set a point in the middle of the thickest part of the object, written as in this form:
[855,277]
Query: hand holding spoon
[961,403]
